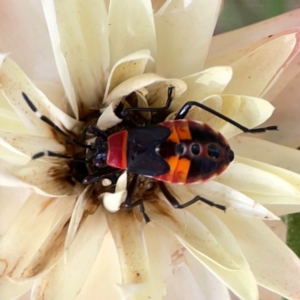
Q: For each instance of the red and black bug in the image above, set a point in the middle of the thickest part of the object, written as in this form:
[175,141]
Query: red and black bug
[178,151]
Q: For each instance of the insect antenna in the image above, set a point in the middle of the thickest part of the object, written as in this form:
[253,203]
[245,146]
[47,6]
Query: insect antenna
[50,123]
[59,155]
[188,105]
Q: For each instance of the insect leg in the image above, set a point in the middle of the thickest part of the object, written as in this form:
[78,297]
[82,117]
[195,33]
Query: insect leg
[188,105]
[175,203]
[105,172]
[50,123]
[92,130]
[128,201]
[125,112]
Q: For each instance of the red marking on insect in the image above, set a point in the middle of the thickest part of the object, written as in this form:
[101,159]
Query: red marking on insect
[176,151]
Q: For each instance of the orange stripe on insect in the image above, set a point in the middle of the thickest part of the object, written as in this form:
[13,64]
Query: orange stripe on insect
[173,137]
[182,170]
[172,162]
[183,129]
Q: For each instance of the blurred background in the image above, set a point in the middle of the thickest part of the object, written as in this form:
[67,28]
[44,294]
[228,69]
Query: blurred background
[247,12]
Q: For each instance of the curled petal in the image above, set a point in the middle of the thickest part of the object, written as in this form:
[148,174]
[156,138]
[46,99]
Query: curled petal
[246,110]
[108,118]
[209,82]
[127,67]
[132,84]
[158,91]
[158,87]
[113,201]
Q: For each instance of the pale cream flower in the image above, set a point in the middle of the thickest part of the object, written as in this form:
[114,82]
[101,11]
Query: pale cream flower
[57,240]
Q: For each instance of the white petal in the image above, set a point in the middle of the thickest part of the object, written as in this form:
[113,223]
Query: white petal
[13,82]
[129,66]
[263,183]
[286,115]
[191,233]
[229,41]
[28,144]
[262,248]
[246,110]
[184,285]
[105,274]
[10,122]
[11,202]
[267,152]
[160,263]
[209,82]
[222,194]
[258,69]
[79,39]
[44,177]
[76,217]
[12,290]
[211,286]
[159,89]
[127,231]
[289,75]
[80,261]
[187,45]
[108,118]
[241,282]
[55,92]
[135,32]
[132,84]
[25,233]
